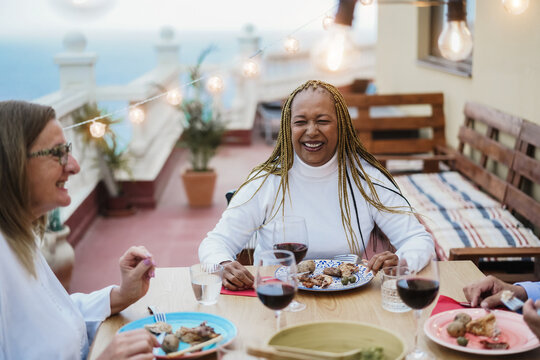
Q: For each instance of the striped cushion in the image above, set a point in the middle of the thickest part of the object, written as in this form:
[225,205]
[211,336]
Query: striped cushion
[458,215]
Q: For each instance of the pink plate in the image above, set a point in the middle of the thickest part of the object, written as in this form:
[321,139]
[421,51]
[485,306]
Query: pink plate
[514,331]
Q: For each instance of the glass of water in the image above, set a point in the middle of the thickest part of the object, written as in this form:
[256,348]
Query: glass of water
[389,294]
[206,282]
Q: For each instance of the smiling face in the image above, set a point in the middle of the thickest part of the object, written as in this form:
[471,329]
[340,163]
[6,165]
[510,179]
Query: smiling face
[314,126]
[46,177]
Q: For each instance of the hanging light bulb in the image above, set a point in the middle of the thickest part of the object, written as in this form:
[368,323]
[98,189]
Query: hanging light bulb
[174,97]
[136,115]
[250,68]
[337,47]
[455,41]
[215,85]
[515,7]
[291,45]
[366,2]
[327,21]
[97,129]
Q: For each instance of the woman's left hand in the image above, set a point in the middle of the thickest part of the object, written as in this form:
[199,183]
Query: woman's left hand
[380,260]
[136,267]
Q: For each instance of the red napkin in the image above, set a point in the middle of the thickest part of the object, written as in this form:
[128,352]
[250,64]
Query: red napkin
[248,292]
[446,303]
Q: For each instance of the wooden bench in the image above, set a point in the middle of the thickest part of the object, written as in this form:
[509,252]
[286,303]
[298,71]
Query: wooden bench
[400,135]
[496,154]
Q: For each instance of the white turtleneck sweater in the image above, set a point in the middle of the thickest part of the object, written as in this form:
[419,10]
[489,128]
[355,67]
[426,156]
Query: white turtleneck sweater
[314,195]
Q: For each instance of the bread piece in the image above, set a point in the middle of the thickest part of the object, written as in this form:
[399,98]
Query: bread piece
[484,326]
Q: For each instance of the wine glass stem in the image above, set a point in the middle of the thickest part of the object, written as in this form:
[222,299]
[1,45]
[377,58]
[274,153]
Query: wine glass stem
[417,316]
[278,317]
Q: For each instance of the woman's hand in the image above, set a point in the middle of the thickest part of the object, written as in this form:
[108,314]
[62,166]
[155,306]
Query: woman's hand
[135,344]
[531,316]
[136,267]
[380,260]
[486,292]
[236,276]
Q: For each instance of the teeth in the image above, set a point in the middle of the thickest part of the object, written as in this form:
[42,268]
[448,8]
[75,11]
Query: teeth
[313,145]
[60,184]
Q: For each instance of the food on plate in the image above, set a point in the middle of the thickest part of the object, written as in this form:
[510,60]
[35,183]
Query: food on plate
[170,343]
[197,334]
[462,317]
[484,326]
[332,271]
[347,269]
[495,345]
[372,353]
[320,280]
[349,279]
[159,327]
[456,329]
[306,266]
[463,341]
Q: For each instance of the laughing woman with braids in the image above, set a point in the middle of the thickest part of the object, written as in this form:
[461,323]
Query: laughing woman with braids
[318,170]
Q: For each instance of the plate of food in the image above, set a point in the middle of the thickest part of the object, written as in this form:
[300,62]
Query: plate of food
[334,339]
[330,275]
[477,331]
[189,328]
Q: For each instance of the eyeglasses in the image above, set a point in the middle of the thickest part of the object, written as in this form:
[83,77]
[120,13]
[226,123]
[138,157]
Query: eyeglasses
[60,151]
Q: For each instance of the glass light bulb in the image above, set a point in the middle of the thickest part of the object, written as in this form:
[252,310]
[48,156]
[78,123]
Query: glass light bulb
[250,68]
[292,45]
[97,129]
[327,21]
[515,7]
[455,41]
[366,2]
[215,85]
[335,50]
[136,115]
[174,97]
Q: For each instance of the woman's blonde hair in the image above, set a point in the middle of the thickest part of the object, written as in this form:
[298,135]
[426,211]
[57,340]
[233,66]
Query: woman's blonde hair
[349,150]
[20,125]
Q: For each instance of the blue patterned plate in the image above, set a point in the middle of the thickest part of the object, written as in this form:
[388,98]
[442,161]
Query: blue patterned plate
[221,326]
[362,277]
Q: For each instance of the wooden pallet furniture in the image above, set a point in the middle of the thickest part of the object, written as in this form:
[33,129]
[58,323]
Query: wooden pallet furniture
[394,134]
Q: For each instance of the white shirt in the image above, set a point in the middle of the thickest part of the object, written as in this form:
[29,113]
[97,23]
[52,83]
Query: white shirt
[314,195]
[38,318]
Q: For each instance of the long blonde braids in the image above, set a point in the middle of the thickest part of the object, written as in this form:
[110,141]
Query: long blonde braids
[349,150]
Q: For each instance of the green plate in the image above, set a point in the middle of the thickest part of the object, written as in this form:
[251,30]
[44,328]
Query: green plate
[340,336]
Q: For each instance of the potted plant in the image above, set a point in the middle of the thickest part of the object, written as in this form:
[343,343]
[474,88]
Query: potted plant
[202,134]
[57,250]
[110,160]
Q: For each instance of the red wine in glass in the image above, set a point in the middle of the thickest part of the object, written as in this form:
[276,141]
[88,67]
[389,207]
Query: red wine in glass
[275,295]
[417,293]
[299,250]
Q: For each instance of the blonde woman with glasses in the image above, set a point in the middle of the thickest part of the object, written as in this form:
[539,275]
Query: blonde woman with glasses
[38,318]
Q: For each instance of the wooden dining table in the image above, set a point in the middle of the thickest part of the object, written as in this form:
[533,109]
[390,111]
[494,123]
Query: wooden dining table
[171,291]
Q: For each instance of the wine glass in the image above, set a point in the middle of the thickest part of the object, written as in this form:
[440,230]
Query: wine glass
[274,288]
[290,233]
[417,288]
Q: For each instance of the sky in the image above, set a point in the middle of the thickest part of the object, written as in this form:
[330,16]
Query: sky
[50,17]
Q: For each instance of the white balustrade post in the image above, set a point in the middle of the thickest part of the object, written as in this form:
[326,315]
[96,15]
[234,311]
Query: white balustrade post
[76,66]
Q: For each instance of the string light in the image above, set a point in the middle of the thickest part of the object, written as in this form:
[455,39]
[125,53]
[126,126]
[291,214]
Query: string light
[136,115]
[215,85]
[174,97]
[250,68]
[515,7]
[327,21]
[455,41]
[291,45]
[98,129]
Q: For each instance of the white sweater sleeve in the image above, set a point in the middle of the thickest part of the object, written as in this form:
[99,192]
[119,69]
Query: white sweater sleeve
[404,230]
[244,215]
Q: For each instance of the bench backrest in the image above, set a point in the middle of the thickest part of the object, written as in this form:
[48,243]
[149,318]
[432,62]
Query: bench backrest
[403,135]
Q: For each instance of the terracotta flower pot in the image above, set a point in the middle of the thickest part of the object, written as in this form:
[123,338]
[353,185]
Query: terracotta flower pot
[199,186]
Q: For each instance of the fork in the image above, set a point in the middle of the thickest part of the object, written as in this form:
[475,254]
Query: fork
[514,303]
[158,315]
[352,258]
